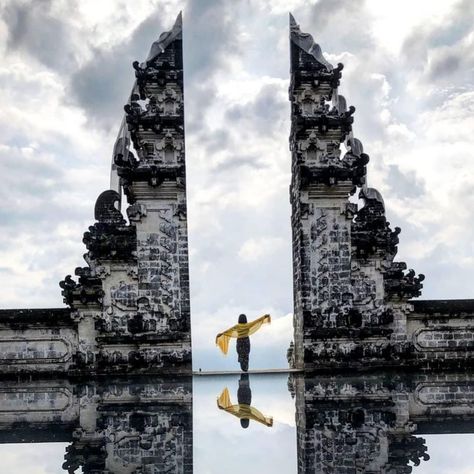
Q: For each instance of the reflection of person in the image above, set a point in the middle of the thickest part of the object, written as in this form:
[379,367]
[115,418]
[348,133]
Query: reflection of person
[244,393]
[241,331]
[243,410]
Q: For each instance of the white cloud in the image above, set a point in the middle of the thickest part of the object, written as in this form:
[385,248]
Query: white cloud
[35,458]
[391,24]
[255,249]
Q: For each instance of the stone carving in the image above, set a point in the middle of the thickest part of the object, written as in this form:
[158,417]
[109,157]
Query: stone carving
[446,339]
[132,300]
[124,426]
[170,148]
[352,300]
[105,211]
[110,238]
[124,295]
[402,285]
[306,43]
[347,423]
[371,233]
[39,350]
[68,286]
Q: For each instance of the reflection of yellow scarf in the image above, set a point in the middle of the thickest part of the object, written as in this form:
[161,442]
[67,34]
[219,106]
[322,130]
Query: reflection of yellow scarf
[242,410]
[240,330]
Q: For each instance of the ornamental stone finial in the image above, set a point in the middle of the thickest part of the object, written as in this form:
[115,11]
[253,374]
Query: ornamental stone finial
[165,39]
[105,210]
[306,42]
[371,194]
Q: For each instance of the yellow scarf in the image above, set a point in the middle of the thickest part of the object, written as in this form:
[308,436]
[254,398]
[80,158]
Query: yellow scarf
[242,410]
[240,330]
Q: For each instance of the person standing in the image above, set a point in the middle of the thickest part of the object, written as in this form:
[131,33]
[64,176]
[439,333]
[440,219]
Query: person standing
[241,331]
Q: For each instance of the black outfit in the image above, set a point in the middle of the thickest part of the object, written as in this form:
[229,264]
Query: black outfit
[244,396]
[243,351]
[243,347]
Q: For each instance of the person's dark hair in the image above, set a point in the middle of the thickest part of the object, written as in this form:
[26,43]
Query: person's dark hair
[244,422]
[242,319]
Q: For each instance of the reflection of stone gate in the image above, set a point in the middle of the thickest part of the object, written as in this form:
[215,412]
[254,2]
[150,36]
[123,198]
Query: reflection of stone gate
[129,310]
[116,426]
[368,424]
[352,300]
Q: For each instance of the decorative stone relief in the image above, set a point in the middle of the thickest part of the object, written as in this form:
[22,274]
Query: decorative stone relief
[347,288]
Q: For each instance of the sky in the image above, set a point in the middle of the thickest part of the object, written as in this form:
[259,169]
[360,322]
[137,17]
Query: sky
[66,73]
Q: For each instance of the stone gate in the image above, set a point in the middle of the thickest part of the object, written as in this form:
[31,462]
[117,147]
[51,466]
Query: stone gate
[353,302]
[129,309]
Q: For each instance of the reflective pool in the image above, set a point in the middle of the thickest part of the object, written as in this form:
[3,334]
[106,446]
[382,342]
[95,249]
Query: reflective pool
[258,423]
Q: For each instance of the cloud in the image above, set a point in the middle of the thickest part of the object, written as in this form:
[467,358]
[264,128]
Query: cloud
[441,51]
[264,111]
[231,162]
[41,30]
[345,15]
[102,85]
[253,250]
[217,431]
[404,185]
[212,37]
[36,458]
[447,454]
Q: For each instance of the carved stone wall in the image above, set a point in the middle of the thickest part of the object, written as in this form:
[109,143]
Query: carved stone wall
[41,340]
[352,301]
[124,426]
[138,315]
[129,309]
[348,424]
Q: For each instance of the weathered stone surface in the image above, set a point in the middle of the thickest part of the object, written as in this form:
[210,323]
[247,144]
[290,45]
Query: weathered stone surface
[352,301]
[130,309]
[124,426]
[348,424]
[37,340]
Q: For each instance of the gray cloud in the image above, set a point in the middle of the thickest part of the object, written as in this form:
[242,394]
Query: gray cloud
[30,188]
[210,37]
[443,50]
[268,102]
[348,17]
[445,277]
[218,141]
[265,111]
[253,284]
[235,161]
[7,270]
[34,29]
[445,33]
[102,85]
[444,65]
[210,41]
[404,185]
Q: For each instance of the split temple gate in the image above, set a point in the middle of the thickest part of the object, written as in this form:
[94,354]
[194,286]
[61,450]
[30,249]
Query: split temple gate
[353,304]
[128,310]
[353,307]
